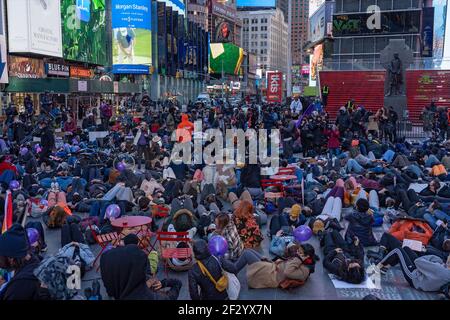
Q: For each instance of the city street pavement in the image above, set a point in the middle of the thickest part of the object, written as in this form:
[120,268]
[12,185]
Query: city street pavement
[318,286]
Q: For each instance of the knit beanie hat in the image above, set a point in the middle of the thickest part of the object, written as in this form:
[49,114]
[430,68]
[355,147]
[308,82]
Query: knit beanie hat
[296,210]
[14,242]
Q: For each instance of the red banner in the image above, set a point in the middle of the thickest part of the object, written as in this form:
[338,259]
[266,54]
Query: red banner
[274,87]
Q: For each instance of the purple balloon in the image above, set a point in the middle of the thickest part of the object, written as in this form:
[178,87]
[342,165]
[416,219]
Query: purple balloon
[33,235]
[121,166]
[37,148]
[14,185]
[218,246]
[112,211]
[302,233]
[44,203]
[23,151]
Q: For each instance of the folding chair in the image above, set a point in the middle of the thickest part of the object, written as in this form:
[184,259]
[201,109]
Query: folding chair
[103,240]
[289,171]
[267,183]
[168,242]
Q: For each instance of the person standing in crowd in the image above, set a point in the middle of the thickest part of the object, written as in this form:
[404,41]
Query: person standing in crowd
[105,114]
[325,92]
[142,143]
[47,140]
[296,106]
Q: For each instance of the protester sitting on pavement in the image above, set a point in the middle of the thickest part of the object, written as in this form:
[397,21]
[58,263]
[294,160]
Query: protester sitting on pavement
[15,257]
[205,274]
[123,271]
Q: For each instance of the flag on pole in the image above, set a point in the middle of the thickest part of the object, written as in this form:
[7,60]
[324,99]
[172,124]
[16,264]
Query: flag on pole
[7,220]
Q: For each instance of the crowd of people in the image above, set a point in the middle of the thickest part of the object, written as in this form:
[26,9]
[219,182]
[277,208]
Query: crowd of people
[353,175]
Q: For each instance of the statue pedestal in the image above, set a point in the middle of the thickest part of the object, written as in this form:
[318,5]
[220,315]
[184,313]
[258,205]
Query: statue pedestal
[399,103]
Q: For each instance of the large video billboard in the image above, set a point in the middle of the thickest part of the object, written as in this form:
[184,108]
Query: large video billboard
[441,19]
[256,3]
[35,27]
[314,5]
[3,51]
[132,36]
[225,58]
[223,30]
[84,30]
[391,22]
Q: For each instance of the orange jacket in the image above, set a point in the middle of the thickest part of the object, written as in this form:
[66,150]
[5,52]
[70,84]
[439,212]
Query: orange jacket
[403,229]
[185,129]
[438,170]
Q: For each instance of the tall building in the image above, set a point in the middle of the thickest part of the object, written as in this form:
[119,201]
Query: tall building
[198,12]
[265,34]
[283,5]
[299,33]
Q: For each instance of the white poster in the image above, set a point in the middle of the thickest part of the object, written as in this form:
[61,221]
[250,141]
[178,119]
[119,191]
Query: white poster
[35,26]
[82,85]
[3,51]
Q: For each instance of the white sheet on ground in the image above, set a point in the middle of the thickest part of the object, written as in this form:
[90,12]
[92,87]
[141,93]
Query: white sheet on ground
[367,284]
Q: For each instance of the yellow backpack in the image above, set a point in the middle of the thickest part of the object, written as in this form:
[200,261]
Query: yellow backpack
[221,284]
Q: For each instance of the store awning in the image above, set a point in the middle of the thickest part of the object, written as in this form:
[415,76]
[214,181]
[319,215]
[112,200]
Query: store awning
[37,85]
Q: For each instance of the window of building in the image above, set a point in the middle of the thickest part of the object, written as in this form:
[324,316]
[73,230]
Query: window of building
[385,4]
[380,43]
[402,4]
[351,5]
[369,45]
[347,45]
[367,3]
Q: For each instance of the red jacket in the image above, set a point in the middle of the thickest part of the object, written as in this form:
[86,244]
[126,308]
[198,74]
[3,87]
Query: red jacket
[7,166]
[333,139]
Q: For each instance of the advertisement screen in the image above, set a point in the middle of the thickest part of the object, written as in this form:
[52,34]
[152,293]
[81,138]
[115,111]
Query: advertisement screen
[35,27]
[26,68]
[440,20]
[391,23]
[316,64]
[256,3]
[427,32]
[3,51]
[317,25]
[225,58]
[446,63]
[224,30]
[132,36]
[84,30]
[314,5]
[274,87]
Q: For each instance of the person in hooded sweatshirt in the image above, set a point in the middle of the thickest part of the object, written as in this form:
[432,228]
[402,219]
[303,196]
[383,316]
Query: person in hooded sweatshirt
[184,129]
[15,257]
[201,287]
[360,224]
[124,272]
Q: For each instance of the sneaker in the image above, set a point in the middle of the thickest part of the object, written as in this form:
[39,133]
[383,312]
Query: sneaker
[57,186]
[52,186]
